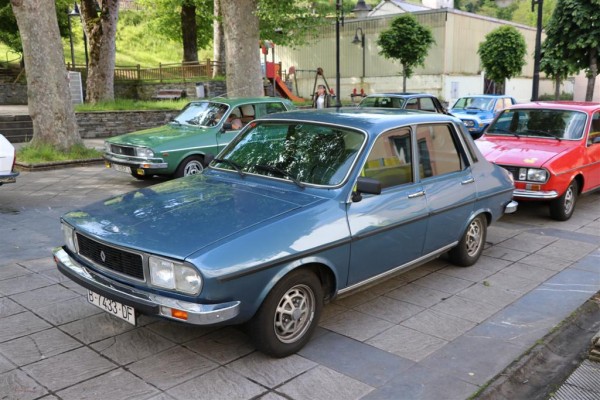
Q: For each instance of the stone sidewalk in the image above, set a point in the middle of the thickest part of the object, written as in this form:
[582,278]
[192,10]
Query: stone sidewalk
[437,332]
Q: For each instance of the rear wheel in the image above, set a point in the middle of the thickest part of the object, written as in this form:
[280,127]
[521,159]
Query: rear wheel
[289,315]
[561,209]
[470,247]
[191,165]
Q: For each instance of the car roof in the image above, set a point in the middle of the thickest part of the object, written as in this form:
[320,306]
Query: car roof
[234,101]
[488,96]
[372,120]
[560,105]
[397,94]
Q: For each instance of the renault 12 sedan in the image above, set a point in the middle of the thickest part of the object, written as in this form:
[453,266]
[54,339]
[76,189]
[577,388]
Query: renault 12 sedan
[299,208]
[180,148]
[477,112]
[551,148]
[409,101]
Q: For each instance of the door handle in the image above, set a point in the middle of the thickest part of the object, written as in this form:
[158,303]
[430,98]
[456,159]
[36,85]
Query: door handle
[417,194]
[467,181]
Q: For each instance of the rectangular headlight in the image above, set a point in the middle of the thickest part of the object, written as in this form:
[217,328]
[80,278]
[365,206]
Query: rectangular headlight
[171,275]
[537,175]
[107,147]
[468,122]
[68,232]
[144,152]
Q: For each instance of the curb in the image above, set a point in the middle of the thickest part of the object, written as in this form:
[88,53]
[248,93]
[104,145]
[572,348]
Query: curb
[56,164]
[543,368]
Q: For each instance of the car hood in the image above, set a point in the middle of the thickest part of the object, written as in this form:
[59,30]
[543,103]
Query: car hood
[155,136]
[472,114]
[514,151]
[182,216]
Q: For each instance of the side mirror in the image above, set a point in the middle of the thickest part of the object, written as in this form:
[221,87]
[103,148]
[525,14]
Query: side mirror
[367,186]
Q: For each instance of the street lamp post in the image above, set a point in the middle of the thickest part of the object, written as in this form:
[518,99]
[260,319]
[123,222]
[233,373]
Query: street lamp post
[537,55]
[360,41]
[71,13]
[338,16]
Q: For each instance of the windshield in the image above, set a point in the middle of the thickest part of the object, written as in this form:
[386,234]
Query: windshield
[474,103]
[558,124]
[382,101]
[202,114]
[304,153]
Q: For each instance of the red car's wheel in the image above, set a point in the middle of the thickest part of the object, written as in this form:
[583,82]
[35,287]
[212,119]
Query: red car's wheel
[561,209]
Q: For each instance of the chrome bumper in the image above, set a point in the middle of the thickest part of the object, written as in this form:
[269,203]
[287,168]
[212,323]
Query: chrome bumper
[147,303]
[511,207]
[137,163]
[9,178]
[531,194]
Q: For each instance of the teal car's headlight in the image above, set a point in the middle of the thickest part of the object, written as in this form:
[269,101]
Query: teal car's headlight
[172,275]
[107,147]
[533,175]
[69,237]
[144,152]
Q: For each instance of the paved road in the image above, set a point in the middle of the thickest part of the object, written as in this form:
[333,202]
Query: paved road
[437,332]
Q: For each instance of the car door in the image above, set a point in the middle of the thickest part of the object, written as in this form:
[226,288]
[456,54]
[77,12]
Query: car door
[388,229]
[449,186]
[592,154]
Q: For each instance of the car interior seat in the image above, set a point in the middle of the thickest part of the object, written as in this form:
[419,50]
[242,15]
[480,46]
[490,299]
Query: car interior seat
[247,113]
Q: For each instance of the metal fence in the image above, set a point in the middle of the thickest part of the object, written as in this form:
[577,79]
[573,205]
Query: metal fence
[185,71]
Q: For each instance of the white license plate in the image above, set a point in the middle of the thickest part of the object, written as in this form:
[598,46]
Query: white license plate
[121,168]
[115,308]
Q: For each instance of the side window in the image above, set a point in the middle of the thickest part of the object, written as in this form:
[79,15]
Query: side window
[594,127]
[412,104]
[390,159]
[275,107]
[438,151]
[427,104]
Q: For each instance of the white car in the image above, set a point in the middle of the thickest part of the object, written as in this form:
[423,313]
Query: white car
[7,162]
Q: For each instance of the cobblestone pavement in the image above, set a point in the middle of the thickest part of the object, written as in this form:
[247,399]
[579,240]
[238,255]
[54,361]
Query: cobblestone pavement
[437,332]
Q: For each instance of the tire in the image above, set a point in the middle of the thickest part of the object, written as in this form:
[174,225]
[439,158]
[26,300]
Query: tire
[561,209]
[191,165]
[289,314]
[470,247]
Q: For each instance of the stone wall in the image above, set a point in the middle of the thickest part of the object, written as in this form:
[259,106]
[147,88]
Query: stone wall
[107,124]
[145,91]
[13,93]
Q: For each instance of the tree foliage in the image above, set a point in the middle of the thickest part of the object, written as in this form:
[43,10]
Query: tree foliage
[502,53]
[554,65]
[406,41]
[573,34]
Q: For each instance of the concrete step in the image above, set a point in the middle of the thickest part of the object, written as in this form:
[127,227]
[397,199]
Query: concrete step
[16,128]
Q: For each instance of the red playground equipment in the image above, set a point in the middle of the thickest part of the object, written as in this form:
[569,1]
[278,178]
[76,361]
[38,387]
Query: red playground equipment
[273,72]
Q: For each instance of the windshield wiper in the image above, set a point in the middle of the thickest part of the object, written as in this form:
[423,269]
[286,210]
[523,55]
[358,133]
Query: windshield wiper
[275,170]
[543,133]
[235,165]
[175,121]
[502,130]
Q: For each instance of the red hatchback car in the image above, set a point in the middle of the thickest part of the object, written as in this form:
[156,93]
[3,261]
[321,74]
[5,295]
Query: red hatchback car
[552,150]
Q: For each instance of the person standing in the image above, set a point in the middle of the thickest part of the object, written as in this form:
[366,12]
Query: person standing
[321,98]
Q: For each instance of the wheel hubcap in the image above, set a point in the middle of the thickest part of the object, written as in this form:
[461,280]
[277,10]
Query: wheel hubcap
[569,200]
[193,168]
[294,313]
[474,237]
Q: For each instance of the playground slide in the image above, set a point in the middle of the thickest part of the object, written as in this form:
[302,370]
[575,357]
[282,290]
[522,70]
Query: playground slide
[283,90]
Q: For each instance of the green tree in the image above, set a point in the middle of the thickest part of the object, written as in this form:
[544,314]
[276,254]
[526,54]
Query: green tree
[554,64]
[502,54]
[524,15]
[574,35]
[406,41]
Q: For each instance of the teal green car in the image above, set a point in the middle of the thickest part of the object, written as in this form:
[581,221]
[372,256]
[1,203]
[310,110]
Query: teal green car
[181,147]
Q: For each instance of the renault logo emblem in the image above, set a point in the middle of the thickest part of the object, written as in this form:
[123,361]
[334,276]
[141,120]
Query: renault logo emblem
[102,256]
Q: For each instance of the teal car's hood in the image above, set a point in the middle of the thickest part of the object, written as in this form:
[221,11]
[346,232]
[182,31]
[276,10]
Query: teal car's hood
[164,134]
[180,217]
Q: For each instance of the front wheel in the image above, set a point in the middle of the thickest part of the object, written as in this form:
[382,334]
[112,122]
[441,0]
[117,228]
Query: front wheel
[561,209]
[191,165]
[289,315]
[470,247]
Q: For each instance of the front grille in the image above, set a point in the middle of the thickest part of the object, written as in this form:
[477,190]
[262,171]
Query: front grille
[117,260]
[513,170]
[123,150]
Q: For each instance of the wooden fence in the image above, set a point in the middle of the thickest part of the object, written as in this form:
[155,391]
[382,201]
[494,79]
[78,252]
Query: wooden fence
[185,71]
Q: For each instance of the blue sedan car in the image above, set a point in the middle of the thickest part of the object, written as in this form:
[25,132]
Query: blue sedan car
[477,112]
[301,207]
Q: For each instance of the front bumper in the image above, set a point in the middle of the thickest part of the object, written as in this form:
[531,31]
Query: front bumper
[535,195]
[511,207]
[9,178]
[136,162]
[143,301]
